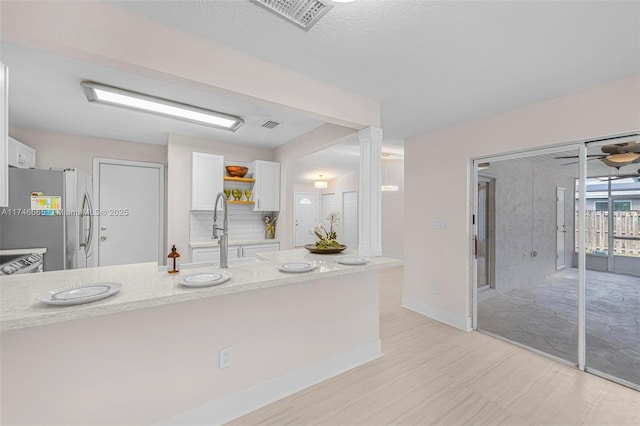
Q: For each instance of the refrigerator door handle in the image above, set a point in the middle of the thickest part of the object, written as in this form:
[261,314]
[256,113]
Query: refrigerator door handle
[90,236]
[86,212]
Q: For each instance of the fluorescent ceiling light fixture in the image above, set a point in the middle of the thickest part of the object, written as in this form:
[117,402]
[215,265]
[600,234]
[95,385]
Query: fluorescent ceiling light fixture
[388,188]
[320,184]
[114,96]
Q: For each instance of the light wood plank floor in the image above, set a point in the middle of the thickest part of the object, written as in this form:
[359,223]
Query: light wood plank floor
[435,374]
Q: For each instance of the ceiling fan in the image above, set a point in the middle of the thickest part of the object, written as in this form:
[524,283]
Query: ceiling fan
[623,176]
[615,155]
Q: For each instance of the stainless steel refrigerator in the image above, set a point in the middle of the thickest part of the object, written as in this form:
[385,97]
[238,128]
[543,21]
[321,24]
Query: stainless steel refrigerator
[50,209]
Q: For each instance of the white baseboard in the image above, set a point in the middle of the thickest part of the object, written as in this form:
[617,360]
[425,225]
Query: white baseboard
[234,406]
[460,322]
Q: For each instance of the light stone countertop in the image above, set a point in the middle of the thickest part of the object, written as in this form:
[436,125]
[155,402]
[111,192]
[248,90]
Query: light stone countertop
[214,243]
[18,252]
[144,286]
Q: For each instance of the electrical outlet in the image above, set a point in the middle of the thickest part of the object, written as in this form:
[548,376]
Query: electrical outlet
[225,357]
[436,288]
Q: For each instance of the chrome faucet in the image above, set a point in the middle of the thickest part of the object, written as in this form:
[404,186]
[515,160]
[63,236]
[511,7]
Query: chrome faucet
[223,240]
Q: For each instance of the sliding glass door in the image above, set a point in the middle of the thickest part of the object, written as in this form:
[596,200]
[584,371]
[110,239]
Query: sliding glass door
[534,298]
[566,260]
[612,277]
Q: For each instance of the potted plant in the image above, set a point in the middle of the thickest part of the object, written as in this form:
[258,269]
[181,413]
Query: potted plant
[327,241]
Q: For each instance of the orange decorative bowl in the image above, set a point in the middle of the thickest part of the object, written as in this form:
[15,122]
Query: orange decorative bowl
[237,171]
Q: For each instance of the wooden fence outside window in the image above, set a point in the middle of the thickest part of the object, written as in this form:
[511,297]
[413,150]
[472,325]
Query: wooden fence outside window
[625,224]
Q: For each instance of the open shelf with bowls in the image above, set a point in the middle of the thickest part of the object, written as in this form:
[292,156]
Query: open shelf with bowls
[239,179]
[240,202]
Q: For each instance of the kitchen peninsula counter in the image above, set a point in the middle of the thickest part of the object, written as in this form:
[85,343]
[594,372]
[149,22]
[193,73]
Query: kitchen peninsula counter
[143,286]
[152,353]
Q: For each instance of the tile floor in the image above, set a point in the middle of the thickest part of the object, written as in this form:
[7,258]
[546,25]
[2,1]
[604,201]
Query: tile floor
[544,317]
[434,374]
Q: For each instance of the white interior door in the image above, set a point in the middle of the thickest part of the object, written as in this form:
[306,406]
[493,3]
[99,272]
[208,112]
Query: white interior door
[328,207]
[561,230]
[306,214]
[131,203]
[350,219]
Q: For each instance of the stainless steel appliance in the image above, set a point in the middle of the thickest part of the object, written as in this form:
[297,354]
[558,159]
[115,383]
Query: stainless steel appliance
[23,261]
[52,209]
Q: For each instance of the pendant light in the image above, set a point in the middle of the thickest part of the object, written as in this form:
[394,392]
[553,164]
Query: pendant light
[320,184]
[386,187]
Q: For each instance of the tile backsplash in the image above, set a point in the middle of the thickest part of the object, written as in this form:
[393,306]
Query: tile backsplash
[244,224]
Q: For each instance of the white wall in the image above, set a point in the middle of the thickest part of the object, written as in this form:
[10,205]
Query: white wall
[179,156]
[75,151]
[444,256]
[393,207]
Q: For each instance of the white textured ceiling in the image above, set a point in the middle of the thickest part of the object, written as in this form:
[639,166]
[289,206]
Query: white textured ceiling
[432,64]
[45,94]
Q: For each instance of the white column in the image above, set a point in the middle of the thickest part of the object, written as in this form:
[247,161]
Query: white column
[369,195]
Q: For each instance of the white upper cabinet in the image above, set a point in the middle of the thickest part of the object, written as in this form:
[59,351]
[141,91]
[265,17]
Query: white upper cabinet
[21,155]
[266,190]
[4,135]
[206,180]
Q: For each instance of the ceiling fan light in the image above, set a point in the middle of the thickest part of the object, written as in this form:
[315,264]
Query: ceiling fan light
[627,157]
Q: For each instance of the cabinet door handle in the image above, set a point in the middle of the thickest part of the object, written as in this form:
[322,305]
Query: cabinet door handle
[258,203]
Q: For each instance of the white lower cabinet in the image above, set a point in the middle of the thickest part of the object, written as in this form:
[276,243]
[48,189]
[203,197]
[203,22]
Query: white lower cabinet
[249,251]
[244,251]
[212,254]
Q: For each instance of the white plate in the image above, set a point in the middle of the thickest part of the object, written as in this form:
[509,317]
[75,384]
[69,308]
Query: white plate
[77,294]
[204,279]
[297,267]
[352,260]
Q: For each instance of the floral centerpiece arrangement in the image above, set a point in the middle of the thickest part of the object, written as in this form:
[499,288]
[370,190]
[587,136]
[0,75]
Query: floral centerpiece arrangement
[270,225]
[327,240]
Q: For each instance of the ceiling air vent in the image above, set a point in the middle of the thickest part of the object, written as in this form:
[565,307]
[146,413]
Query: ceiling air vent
[303,13]
[270,124]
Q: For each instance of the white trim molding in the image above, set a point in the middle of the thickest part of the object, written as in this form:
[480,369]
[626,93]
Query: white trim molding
[457,321]
[370,197]
[237,405]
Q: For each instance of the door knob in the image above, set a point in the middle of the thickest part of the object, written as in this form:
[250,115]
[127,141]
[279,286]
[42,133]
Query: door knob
[103,238]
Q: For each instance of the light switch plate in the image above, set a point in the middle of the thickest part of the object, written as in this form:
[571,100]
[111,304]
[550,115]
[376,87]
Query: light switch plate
[439,223]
